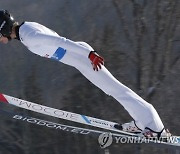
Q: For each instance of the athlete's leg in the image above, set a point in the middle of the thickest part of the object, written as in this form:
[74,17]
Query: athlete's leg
[142,112]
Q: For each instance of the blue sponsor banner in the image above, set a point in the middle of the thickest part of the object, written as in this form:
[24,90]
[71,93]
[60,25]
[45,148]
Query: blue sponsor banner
[59,54]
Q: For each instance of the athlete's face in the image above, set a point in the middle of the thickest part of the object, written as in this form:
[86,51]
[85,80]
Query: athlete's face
[3,39]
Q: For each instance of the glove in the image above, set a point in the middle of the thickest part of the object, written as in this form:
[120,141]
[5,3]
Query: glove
[96,60]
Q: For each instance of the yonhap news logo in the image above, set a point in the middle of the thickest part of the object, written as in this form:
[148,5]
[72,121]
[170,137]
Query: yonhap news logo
[106,139]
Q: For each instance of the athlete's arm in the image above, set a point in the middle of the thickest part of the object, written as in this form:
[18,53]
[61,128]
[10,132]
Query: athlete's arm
[38,37]
[67,44]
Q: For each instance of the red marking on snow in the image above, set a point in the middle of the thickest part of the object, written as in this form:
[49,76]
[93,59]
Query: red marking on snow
[3,99]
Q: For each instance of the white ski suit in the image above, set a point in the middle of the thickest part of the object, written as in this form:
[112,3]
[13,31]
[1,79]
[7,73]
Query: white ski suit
[47,43]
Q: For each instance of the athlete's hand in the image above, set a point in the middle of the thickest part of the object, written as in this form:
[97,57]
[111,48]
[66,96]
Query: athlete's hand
[96,60]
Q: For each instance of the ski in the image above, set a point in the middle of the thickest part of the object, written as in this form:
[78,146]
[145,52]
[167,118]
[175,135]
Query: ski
[74,117]
[61,114]
[105,138]
[49,124]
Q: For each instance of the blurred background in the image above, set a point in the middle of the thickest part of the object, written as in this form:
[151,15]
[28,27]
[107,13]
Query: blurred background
[140,41]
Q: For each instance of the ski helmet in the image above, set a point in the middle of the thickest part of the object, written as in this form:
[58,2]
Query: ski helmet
[6,23]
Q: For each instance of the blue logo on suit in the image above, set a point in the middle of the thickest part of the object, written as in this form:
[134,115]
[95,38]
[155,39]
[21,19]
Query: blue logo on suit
[59,54]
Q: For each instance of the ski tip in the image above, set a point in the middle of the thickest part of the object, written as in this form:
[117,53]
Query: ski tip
[3,99]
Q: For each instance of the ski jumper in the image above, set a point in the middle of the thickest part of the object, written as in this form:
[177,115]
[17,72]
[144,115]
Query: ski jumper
[47,43]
